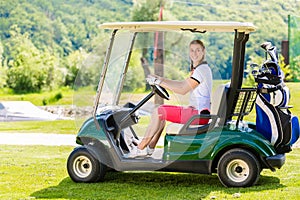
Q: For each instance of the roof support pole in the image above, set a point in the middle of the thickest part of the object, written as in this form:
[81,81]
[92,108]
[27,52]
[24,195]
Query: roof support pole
[238,61]
[102,77]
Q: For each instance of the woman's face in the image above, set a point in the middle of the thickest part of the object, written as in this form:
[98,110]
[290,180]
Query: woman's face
[196,53]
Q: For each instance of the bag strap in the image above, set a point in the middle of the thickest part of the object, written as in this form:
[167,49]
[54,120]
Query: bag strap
[271,79]
[269,90]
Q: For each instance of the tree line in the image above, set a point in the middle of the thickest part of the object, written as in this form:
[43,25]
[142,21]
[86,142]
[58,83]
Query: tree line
[44,43]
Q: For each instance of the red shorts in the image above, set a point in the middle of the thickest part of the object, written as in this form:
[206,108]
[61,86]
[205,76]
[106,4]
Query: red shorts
[180,114]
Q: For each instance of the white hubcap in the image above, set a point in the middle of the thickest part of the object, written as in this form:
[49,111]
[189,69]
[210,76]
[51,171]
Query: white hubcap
[237,170]
[82,166]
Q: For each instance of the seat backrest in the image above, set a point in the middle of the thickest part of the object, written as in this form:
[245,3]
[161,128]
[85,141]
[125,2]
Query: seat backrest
[219,100]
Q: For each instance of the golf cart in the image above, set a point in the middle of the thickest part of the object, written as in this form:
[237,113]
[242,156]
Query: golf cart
[227,145]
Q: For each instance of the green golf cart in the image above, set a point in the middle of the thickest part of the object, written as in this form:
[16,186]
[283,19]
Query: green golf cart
[228,145]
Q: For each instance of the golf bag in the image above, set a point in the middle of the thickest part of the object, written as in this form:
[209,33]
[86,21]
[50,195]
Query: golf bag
[273,117]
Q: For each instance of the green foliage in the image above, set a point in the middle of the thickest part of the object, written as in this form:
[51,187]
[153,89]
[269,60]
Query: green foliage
[3,76]
[3,69]
[53,31]
[134,78]
[73,63]
[60,32]
[295,62]
[29,69]
[294,43]
[288,74]
[146,10]
[53,99]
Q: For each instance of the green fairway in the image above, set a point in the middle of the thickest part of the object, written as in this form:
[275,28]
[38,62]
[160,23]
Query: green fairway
[39,99]
[59,126]
[28,172]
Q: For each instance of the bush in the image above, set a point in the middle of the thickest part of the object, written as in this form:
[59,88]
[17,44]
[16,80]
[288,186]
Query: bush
[295,71]
[28,68]
[26,79]
[52,99]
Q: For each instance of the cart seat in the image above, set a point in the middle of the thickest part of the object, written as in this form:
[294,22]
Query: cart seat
[174,128]
[218,109]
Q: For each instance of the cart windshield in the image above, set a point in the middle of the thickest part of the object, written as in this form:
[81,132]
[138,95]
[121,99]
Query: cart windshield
[116,70]
[124,80]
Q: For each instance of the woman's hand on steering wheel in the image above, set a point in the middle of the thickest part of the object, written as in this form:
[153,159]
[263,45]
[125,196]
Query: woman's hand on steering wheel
[154,82]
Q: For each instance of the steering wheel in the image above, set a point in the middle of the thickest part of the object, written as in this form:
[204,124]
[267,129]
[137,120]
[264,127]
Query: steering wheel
[162,92]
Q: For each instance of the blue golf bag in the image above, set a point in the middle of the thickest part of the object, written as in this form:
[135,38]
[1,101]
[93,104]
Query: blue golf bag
[273,117]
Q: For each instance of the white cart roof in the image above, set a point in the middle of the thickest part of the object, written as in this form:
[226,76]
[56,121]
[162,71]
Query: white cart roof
[194,26]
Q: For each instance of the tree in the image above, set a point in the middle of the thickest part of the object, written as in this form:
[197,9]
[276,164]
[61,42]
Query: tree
[147,10]
[77,69]
[29,69]
[2,68]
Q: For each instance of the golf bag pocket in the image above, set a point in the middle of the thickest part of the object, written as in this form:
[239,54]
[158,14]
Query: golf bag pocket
[295,129]
[274,124]
[286,125]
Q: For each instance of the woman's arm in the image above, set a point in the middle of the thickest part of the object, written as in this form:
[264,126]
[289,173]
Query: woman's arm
[179,87]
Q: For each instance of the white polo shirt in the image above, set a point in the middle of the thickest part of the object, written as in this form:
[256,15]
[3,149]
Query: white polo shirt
[200,96]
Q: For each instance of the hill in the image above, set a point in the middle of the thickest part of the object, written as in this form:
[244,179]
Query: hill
[63,33]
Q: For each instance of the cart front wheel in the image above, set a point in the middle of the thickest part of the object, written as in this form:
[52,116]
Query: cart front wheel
[238,168]
[84,167]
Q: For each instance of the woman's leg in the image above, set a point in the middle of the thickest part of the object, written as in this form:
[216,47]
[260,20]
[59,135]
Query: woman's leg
[156,137]
[153,131]
[158,121]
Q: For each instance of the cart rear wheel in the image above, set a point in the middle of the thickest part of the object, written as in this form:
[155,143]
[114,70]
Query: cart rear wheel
[238,168]
[84,167]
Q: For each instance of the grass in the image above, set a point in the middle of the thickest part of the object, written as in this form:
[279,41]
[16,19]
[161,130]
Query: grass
[59,126]
[295,96]
[28,172]
[38,98]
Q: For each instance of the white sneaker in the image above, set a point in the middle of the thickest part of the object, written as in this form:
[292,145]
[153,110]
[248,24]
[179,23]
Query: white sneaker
[135,141]
[136,152]
[150,151]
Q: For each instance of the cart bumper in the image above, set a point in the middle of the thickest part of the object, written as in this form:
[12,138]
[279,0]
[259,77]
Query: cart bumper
[276,161]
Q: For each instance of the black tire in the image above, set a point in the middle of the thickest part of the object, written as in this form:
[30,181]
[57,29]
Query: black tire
[84,167]
[238,168]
